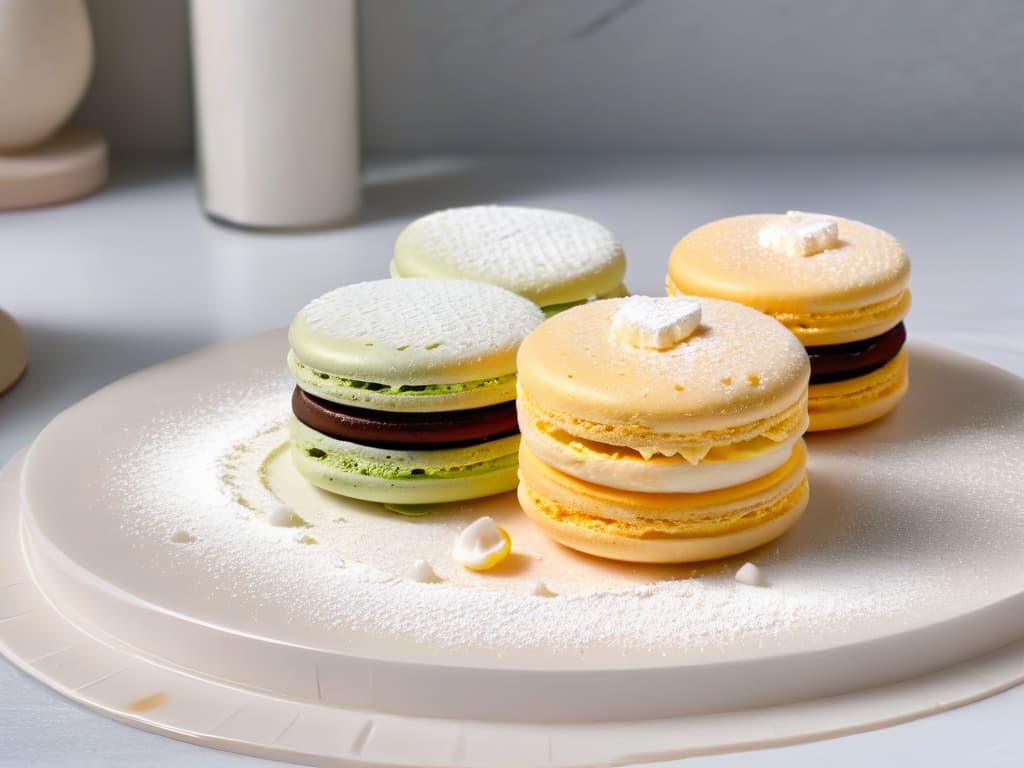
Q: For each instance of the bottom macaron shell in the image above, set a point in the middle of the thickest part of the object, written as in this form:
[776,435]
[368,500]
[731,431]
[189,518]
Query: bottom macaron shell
[662,528]
[618,467]
[860,400]
[397,476]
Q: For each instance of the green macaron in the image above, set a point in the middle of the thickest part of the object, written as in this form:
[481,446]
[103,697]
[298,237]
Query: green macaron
[556,260]
[406,389]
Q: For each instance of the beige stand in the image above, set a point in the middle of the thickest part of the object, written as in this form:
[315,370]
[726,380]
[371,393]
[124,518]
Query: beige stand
[13,352]
[71,165]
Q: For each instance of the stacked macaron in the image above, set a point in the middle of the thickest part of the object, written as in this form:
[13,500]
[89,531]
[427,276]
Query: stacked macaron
[662,430]
[839,285]
[554,259]
[406,389]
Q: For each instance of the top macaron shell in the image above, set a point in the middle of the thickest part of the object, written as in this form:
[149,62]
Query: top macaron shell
[724,259]
[738,367]
[413,332]
[549,257]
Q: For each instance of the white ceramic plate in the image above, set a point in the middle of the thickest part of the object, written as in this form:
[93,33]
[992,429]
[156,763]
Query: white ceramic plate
[898,594]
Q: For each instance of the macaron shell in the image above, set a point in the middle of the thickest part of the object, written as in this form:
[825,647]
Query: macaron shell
[397,476]
[840,327]
[413,332]
[739,375]
[551,310]
[662,528]
[410,492]
[666,550]
[549,257]
[464,395]
[862,399]
[616,467]
[819,329]
[724,259]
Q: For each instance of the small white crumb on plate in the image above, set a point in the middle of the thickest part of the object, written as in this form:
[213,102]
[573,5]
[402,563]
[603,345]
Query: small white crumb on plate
[281,516]
[751,575]
[422,572]
[540,589]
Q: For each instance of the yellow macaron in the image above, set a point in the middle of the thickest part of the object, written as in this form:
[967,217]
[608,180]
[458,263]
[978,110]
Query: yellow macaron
[662,430]
[841,286]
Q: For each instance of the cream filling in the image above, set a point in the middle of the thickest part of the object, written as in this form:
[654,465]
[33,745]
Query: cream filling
[627,470]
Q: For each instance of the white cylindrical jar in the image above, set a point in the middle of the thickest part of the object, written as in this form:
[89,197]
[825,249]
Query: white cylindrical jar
[277,127]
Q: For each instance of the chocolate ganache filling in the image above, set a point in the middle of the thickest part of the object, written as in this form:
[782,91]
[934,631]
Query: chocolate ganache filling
[836,362]
[391,429]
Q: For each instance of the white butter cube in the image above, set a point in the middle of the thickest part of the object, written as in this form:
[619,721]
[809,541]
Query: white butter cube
[800,234]
[645,322]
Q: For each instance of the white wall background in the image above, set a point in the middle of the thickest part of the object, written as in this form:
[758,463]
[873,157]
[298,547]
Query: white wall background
[749,74]
[594,75]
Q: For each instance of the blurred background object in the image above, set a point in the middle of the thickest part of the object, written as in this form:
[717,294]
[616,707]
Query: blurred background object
[600,75]
[46,55]
[277,125]
[13,352]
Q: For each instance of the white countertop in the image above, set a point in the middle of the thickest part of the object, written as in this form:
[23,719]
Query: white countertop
[137,275]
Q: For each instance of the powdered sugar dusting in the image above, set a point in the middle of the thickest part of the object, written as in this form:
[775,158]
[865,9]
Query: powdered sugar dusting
[738,361]
[861,265]
[731,342]
[452,318]
[865,555]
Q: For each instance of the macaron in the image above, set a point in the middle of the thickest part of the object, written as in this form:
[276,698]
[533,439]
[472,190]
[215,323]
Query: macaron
[840,285]
[405,389]
[662,429]
[554,259]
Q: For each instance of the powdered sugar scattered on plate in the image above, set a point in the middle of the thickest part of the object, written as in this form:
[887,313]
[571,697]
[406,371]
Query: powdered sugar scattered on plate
[864,558]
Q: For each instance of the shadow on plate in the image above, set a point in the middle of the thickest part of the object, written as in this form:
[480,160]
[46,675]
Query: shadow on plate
[67,364]
[949,394]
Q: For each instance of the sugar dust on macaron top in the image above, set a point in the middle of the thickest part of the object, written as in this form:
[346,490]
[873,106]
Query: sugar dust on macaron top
[841,286]
[552,258]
